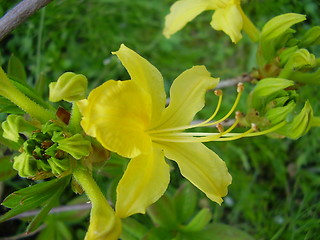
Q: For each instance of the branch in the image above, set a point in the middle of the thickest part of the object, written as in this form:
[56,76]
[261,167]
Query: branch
[19,14]
[234,81]
[60,209]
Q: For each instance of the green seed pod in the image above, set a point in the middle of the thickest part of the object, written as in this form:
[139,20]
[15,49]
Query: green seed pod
[69,87]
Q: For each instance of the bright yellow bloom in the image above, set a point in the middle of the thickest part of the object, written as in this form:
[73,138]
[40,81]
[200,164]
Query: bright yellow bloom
[130,118]
[228,17]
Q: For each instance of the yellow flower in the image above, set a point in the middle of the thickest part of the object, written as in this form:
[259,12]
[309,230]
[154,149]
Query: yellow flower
[130,118]
[228,17]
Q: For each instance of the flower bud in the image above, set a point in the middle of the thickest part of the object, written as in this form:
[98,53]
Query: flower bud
[75,145]
[300,124]
[58,166]
[266,90]
[311,37]
[14,125]
[279,114]
[25,166]
[280,24]
[69,87]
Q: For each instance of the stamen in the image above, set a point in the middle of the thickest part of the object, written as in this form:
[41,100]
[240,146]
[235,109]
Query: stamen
[220,127]
[241,135]
[240,89]
[196,136]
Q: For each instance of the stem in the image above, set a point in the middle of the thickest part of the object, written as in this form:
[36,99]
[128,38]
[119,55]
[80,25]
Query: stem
[75,119]
[103,222]
[250,28]
[9,91]
[19,14]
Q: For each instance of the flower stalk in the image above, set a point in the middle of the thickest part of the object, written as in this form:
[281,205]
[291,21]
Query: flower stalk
[103,222]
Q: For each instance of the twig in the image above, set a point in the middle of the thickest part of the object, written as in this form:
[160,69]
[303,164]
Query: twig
[19,14]
[67,208]
[234,81]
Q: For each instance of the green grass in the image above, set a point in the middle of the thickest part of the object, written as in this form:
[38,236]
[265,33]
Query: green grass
[276,182]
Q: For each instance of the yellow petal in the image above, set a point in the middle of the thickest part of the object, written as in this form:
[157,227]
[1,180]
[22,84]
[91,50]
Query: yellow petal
[229,20]
[186,97]
[146,76]
[144,182]
[182,12]
[117,114]
[200,166]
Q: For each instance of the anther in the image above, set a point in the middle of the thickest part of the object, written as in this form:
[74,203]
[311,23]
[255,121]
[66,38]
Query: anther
[240,87]
[254,127]
[218,92]
[238,115]
[220,128]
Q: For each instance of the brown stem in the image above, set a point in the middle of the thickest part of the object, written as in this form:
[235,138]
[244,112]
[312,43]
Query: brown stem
[234,81]
[19,14]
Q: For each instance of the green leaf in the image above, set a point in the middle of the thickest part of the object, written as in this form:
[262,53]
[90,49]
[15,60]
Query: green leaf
[163,213]
[185,201]
[16,69]
[6,170]
[37,220]
[218,231]
[132,229]
[199,222]
[31,197]
[55,230]
[159,234]
[7,106]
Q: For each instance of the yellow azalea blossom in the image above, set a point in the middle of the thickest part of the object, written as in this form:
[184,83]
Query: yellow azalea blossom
[130,118]
[228,17]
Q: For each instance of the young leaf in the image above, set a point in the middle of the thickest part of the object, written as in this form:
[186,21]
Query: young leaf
[185,201]
[6,170]
[163,213]
[16,69]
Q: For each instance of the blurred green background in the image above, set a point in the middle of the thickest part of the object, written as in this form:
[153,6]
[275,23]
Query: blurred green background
[276,182]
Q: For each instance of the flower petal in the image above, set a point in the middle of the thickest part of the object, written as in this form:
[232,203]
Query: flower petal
[186,97]
[146,76]
[229,20]
[201,166]
[117,113]
[182,12]
[144,182]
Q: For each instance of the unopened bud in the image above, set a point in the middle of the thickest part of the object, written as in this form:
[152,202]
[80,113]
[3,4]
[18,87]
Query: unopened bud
[280,24]
[25,166]
[69,87]
[14,125]
[75,145]
[311,37]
